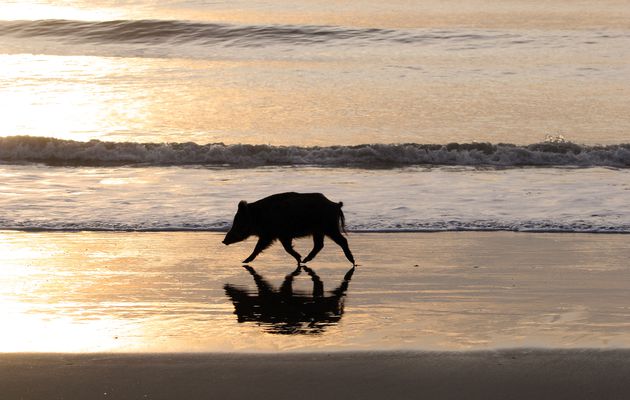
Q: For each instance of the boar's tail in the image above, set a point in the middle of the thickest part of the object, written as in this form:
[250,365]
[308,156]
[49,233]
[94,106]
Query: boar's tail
[342,219]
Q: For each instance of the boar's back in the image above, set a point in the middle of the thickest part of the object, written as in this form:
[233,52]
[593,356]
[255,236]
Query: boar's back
[295,214]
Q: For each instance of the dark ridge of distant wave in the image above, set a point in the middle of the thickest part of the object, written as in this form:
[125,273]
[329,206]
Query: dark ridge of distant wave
[179,32]
[51,151]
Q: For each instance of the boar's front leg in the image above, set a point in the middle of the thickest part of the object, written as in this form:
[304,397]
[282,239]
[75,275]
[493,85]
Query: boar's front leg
[262,244]
[318,244]
[287,243]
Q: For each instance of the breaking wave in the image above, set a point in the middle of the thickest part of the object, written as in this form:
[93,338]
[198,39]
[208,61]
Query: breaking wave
[51,151]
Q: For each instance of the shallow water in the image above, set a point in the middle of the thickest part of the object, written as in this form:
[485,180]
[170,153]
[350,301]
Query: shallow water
[411,199]
[173,292]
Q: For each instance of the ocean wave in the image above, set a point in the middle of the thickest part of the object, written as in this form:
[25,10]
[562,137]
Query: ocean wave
[179,32]
[51,151]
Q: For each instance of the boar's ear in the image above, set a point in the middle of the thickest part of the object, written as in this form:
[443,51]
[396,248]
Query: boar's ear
[242,205]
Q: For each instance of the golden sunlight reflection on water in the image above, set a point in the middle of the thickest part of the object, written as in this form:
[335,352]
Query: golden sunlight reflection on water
[370,13]
[73,98]
[29,10]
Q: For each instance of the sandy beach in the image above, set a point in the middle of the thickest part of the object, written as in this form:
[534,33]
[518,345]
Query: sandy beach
[425,315]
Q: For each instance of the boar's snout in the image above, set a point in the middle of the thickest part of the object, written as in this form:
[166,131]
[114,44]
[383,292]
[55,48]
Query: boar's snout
[241,227]
[235,236]
[231,238]
[227,240]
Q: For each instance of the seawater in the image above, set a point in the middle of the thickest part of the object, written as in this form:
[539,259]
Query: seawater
[398,199]
[161,116]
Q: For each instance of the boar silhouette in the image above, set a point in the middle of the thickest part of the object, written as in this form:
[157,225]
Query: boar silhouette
[285,216]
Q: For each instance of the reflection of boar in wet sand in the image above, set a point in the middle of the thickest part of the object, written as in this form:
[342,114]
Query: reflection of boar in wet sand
[286,216]
[283,311]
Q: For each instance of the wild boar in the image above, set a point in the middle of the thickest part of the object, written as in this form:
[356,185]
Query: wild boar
[286,216]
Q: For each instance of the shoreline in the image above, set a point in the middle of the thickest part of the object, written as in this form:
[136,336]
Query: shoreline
[500,374]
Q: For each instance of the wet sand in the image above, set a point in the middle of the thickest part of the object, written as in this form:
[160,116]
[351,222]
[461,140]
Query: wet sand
[186,292]
[175,315]
[507,374]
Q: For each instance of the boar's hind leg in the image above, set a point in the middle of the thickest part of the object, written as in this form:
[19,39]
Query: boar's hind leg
[262,244]
[338,238]
[287,243]
[318,244]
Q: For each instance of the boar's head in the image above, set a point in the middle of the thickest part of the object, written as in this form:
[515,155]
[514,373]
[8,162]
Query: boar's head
[242,225]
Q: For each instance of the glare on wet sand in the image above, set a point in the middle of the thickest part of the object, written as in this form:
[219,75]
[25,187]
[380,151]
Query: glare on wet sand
[147,292]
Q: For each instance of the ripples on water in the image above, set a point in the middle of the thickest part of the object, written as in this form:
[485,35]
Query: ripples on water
[190,39]
[180,32]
